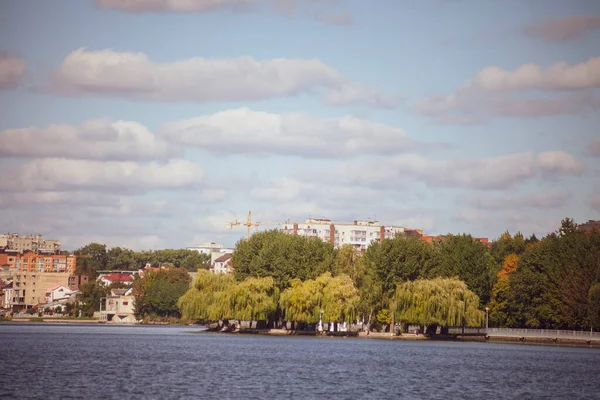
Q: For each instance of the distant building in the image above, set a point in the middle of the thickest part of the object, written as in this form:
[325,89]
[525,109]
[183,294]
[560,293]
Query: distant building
[29,288]
[57,293]
[431,239]
[13,243]
[222,265]
[76,281]
[109,279]
[31,261]
[207,248]
[590,226]
[6,295]
[359,234]
[213,249]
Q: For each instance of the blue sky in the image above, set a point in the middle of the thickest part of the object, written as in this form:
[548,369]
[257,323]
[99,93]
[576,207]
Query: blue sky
[151,123]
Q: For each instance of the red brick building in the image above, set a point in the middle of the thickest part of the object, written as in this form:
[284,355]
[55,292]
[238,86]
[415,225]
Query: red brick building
[33,262]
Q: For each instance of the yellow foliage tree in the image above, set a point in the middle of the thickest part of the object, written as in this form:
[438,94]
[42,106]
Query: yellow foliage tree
[509,266]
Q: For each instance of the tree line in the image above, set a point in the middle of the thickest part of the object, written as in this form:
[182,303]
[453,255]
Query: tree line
[96,257]
[553,282]
[156,294]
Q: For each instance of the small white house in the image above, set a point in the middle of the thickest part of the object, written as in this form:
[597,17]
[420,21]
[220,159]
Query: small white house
[57,293]
[222,265]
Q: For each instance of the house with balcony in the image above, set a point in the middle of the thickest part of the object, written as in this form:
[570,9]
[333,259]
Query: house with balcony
[118,307]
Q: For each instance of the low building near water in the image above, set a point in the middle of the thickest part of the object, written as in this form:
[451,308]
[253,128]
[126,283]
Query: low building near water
[118,307]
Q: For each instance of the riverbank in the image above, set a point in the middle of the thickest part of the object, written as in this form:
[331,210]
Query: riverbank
[413,337]
[55,320]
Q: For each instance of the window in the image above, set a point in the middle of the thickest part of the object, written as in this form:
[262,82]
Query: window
[125,303]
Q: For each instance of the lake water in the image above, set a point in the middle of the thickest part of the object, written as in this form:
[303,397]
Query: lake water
[163,362]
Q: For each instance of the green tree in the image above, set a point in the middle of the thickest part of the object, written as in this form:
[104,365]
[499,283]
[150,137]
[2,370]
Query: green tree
[594,306]
[389,263]
[500,313]
[91,258]
[348,261]
[469,260]
[254,299]
[157,293]
[119,258]
[89,297]
[281,256]
[439,301]
[507,244]
[195,260]
[209,297]
[336,296]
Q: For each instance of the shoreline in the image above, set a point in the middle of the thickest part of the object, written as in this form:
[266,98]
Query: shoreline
[531,341]
[580,343]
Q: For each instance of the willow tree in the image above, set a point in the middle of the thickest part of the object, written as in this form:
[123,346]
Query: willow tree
[336,296]
[254,299]
[218,296]
[209,297]
[440,301]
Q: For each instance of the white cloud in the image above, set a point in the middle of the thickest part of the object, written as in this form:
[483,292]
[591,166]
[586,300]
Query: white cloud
[244,131]
[559,162]
[495,91]
[176,5]
[563,29]
[134,242]
[559,76]
[282,7]
[25,199]
[493,173]
[538,200]
[11,71]
[134,75]
[53,174]
[99,139]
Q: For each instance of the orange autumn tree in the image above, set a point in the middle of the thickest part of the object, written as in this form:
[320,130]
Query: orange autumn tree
[499,314]
[509,266]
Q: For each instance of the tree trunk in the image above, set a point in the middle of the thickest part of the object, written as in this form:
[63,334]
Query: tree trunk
[392,312]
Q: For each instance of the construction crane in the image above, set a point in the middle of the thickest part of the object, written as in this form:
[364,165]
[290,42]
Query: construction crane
[249,224]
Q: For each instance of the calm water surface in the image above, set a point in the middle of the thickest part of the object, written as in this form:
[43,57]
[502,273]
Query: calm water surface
[73,361]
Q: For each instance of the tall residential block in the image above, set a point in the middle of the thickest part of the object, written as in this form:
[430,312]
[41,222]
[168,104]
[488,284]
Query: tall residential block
[359,234]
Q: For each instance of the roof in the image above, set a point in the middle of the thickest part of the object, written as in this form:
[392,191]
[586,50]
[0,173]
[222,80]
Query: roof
[54,288]
[118,277]
[224,257]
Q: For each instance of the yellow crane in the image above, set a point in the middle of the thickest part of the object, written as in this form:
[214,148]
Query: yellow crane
[249,223]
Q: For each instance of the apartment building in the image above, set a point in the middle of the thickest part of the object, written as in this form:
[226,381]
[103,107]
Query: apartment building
[13,243]
[213,249]
[30,261]
[29,288]
[359,234]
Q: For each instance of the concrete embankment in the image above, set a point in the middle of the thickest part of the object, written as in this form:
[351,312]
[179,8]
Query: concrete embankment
[56,320]
[544,341]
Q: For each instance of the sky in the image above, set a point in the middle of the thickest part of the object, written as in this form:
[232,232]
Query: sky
[150,124]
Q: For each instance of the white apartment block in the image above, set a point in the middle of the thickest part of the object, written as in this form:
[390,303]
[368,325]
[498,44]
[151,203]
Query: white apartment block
[359,234]
[213,249]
